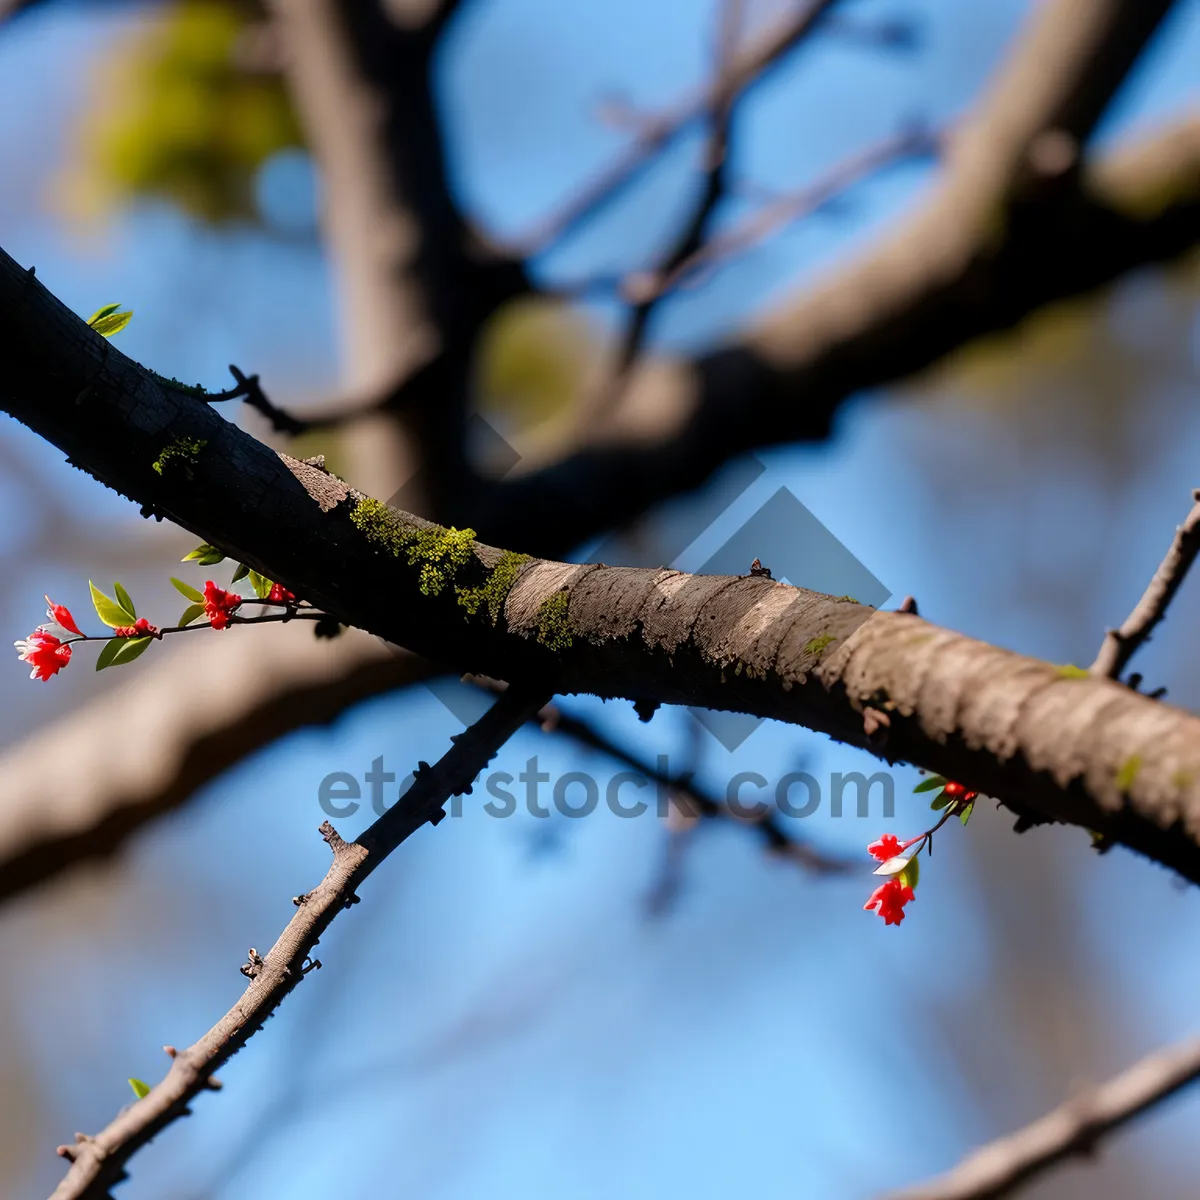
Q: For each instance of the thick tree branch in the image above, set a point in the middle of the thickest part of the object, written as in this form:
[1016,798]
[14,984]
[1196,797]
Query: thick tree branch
[1071,1131]
[61,809]
[1049,744]
[98,1162]
[1120,645]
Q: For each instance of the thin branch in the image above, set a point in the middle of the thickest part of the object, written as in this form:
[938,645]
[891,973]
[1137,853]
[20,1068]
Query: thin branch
[1120,645]
[907,145]
[693,800]
[1075,1129]
[692,236]
[98,1162]
[750,67]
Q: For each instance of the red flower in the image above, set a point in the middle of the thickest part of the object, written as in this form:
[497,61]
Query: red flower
[889,900]
[219,605]
[280,595]
[60,614]
[45,653]
[887,847]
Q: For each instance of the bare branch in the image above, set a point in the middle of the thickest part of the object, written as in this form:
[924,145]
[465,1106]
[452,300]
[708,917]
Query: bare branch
[98,1162]
[1120,645]
[906,145]
[692,236]
[751,66]
[1073,1130]
[692,800]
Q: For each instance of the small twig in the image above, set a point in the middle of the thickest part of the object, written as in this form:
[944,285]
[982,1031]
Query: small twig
[691,238]
[693,800]
[250,390]
[98,1163]
[902,146]
[1120,645]
[1073,1129]
[749,68]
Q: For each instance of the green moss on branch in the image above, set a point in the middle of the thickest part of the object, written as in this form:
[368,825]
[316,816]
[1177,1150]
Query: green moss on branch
[439,552]
[494,590]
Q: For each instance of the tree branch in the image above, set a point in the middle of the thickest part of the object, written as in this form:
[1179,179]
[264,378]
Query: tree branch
[98,1162]
[751,65]
[1120,645]
[1073,1130]
[1049,744]
[693,234]
[694,802]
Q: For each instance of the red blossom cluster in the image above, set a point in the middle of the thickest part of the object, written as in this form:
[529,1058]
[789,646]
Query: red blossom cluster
[48,648]
[219,605]
[901,862]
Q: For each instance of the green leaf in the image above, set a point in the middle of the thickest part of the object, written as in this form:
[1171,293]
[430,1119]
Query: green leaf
[108,652]
[112,323]
[205,555]
[124,600]
[940,801]
[185,589]
[241,573]
[130,649]
[965,815]
[261,585]
[191,613]
[105,310]
[909,876]
[140,1089]
[927,785]
[108,610]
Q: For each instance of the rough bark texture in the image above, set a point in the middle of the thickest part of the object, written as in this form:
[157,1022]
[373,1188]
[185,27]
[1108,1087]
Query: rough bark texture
[1049,743]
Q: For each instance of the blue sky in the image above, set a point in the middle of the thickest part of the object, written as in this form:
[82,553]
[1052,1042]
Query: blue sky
[500,1016]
